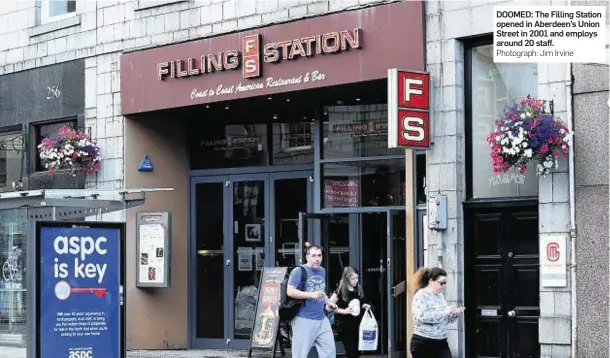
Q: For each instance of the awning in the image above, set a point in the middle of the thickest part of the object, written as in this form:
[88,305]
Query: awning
[61,204]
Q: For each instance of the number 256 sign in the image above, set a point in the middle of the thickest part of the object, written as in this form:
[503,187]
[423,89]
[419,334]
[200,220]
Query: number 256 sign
[408,109]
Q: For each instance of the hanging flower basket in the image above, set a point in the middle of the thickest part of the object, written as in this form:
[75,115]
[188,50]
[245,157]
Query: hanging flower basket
[71,150]
[527,133]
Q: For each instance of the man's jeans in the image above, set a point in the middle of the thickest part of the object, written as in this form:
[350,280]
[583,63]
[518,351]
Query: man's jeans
[309,332]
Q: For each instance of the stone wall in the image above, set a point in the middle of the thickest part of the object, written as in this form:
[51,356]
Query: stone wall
[591,190]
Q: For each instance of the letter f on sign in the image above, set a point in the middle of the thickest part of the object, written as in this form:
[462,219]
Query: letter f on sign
[410,90]
[250,45]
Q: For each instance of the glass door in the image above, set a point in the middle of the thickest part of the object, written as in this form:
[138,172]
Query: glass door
[291,194]
[249,208]
[240,224]
[396,283]
[210,277]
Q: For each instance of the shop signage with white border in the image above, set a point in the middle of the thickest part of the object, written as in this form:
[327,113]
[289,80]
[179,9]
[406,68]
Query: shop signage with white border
[408,109]
[553,261]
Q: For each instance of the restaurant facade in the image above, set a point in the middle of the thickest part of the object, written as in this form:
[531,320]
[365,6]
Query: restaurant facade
[275,137]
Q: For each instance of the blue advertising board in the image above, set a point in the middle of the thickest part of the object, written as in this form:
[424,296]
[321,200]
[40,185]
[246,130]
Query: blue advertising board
[80,277]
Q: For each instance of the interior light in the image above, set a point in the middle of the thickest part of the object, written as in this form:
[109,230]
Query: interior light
[227,106]
[358,99]
[207,106]
[269,98]
[287,99]
[275,116]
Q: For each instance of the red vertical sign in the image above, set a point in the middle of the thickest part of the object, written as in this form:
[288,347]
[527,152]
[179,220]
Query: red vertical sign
[251,47]
[408,109]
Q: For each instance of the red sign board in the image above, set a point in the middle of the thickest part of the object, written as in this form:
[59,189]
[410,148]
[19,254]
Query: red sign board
[337,49]
[408,109]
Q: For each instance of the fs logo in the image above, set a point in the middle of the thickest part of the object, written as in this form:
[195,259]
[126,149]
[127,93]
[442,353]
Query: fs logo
[81,353]
[409,106]
[552,251]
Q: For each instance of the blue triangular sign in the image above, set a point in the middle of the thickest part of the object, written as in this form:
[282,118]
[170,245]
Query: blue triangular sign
[145,164]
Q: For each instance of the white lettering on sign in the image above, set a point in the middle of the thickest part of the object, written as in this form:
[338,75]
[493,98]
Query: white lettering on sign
[269,82]
[408,109]
[81,247]
[413,129]
[410,90]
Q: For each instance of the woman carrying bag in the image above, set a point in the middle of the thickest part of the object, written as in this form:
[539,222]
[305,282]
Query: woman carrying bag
[350,310]
[431,314]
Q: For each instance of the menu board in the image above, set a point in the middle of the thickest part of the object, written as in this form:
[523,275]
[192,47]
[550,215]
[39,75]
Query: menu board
[153,249]
[267,319]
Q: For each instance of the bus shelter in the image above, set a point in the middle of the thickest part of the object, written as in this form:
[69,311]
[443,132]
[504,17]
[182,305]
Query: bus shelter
[19,213]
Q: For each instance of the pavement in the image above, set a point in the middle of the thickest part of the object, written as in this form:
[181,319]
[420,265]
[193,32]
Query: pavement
[11,352]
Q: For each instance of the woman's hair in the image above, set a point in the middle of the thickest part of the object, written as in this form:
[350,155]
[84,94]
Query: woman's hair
[425,274]
[343,288]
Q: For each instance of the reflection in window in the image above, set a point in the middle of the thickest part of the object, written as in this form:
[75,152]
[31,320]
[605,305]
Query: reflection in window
[364,183]
[356,131]
[13,285]
[11,151]
[495,85]
[292,143]
[233,145]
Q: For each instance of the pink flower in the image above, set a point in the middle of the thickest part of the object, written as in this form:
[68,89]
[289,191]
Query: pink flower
[544,149]
[565,150]
[556,154]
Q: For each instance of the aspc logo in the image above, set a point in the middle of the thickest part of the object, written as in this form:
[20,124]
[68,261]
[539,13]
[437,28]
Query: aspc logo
[81,353]
[552,252]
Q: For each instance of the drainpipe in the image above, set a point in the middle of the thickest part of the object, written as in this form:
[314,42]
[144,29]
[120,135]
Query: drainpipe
[570,123]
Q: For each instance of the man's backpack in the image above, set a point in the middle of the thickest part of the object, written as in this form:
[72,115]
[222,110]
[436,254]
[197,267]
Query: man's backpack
[289,307]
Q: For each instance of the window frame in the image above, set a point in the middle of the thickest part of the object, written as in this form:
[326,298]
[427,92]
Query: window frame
[17,131]
[469,45]
[45,18]
[35,165]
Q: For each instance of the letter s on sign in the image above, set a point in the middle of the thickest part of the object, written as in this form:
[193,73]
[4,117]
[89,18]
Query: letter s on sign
[413,129]
[413,125]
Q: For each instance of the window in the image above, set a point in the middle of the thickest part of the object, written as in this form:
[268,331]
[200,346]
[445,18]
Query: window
[292,143]
[228,146]
[356,131]
[11,150]
[47,130]
[493,86]
[52,10]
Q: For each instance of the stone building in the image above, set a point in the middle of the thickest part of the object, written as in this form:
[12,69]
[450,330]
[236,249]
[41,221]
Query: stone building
[244,163]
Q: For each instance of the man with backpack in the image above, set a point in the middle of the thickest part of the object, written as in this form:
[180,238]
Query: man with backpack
[310,326]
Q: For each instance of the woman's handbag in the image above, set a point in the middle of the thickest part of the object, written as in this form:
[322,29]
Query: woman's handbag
[367,337]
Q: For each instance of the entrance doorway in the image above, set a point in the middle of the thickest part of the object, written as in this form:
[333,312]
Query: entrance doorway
[239,224]
[502,280]
[375,244]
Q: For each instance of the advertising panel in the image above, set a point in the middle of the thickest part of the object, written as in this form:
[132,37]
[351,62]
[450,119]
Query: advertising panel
[267,319]
[80,290]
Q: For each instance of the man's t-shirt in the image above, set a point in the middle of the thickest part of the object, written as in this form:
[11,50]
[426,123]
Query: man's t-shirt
[316,282]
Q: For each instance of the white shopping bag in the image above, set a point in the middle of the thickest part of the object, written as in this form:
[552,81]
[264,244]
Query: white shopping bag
[367,337]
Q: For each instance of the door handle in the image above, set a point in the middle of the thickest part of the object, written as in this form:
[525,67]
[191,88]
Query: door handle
[512,313]
[228,262]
